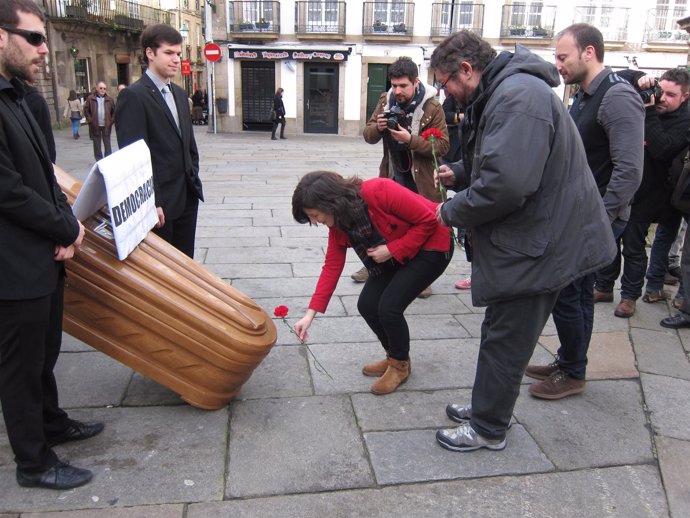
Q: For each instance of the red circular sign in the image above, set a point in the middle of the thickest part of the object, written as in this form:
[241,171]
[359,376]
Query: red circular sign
[212,52]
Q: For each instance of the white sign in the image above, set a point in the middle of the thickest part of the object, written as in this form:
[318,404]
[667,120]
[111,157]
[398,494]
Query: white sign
[123,180]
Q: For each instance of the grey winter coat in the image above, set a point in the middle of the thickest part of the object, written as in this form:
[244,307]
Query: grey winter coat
[525,191]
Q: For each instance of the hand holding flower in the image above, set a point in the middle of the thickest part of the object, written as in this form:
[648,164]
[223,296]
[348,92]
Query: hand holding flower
[301,331]
[303,324]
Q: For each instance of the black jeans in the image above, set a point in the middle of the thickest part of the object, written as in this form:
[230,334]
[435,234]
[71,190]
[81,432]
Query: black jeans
[181,232]
[510,331]
[384,299]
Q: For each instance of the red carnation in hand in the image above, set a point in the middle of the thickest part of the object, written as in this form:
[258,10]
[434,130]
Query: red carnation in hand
[281,311]
[431,132]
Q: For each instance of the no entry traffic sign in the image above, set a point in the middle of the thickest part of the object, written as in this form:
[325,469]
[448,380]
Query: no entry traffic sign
[212,52]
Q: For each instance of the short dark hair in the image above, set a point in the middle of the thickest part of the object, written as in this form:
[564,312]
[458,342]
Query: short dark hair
[156,35]
[680,76]
[403,67]
[461,46]
[330,193]
[9,10]
[585,35]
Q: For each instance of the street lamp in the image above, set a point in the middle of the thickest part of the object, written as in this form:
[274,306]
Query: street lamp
[184,31]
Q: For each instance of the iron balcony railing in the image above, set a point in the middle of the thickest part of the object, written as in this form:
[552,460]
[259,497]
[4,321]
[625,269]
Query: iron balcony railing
[394,18]
[611,21]
[448,18]
[528,20]
[116,14]
[256,16]
[320,17]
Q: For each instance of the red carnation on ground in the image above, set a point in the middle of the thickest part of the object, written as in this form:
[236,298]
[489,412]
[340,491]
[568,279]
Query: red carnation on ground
[282,312]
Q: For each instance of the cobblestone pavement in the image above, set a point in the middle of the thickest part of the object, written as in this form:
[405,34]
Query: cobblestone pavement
[297,443]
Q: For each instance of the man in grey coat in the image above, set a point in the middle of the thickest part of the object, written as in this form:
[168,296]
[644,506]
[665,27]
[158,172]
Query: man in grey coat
[531,206]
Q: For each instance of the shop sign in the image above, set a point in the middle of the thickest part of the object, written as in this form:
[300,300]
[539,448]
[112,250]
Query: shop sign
[295,54]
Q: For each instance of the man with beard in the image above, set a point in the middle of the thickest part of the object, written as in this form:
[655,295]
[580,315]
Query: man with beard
[38,232]
[401,116]
[609,116]
[536,219]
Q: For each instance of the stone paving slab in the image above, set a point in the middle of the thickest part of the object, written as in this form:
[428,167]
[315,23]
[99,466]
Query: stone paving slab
[149,511]
[603,426]
[143,391]
[674,461]
[294,445]
[297,307]
[91,379]
[250,270]
[264,255]
[415,456]
[283,373]
[667,400]
[437,304]
[610,355]
[211,242]
[621,492]
[660,352]
[344,363]
[150,455]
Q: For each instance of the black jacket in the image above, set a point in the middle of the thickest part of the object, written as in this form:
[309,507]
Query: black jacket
[34,213]
[142,113]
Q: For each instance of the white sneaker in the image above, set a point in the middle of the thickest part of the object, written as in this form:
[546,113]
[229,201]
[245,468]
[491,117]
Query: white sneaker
[464,438]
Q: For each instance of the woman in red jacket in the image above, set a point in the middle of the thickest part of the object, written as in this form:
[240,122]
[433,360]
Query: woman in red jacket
[395,233]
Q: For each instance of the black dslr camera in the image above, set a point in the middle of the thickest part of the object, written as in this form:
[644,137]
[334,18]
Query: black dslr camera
[396,116]
[653,92]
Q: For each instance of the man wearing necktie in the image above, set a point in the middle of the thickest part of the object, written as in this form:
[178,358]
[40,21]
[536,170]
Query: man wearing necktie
[155,109]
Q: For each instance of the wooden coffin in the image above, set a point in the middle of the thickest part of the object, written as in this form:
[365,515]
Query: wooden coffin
[162,314]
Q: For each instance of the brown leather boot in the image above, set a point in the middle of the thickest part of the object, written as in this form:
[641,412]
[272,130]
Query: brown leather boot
[378,369]
[397,373]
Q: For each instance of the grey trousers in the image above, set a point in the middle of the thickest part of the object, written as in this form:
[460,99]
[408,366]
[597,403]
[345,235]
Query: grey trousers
[509,335]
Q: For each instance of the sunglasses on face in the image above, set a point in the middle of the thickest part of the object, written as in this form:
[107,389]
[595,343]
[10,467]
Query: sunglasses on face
[33,37]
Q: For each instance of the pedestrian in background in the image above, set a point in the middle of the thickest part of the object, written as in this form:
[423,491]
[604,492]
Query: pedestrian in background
[99,110]
[73,112]
[278,114]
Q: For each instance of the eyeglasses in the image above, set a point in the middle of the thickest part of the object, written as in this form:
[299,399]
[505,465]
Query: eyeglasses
[34,38]
[442,86]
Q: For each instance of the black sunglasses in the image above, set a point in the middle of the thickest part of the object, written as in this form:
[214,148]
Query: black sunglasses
[33,37]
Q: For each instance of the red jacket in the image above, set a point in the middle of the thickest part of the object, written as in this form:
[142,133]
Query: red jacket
[406,220]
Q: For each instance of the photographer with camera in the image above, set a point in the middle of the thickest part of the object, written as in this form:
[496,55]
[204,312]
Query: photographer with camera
[665,130]
[401,116]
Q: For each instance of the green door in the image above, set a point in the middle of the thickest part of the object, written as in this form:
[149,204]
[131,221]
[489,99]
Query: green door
[377,84]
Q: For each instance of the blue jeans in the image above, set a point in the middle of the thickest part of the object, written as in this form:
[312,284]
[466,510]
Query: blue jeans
[658,257]
[606,277]
[573,315]
[75,127]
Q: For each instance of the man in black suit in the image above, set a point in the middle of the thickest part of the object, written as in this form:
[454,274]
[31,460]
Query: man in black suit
[156,110]
[38,232]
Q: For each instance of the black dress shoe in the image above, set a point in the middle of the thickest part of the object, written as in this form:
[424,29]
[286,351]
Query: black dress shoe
[76,431]
[283,138]
[676,322]
[60,476]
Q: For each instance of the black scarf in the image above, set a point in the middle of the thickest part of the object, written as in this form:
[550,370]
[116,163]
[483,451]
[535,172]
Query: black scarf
[363,235]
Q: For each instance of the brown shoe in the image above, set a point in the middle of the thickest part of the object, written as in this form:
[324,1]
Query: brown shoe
[396,374]
[625,309]
[557,386]
[425,294]
[654,296]
[378,369]
[360,275]
[541,372]
[602,296]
